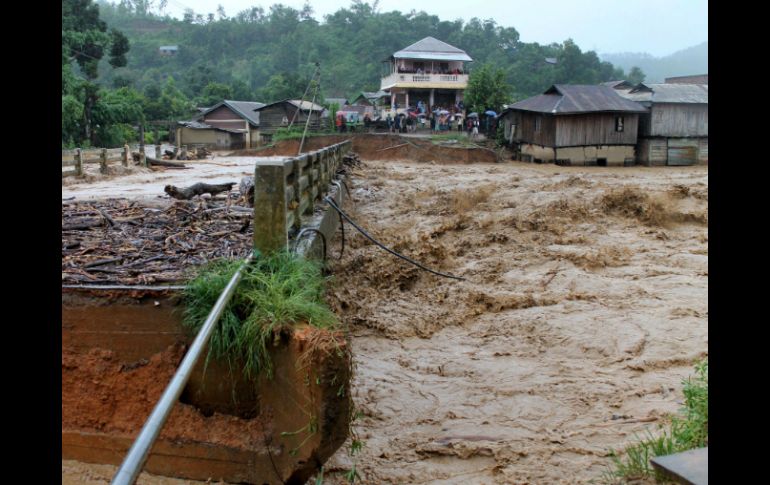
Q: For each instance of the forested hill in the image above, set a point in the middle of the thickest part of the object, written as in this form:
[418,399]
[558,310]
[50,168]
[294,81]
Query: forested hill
[693,60]
[267,54]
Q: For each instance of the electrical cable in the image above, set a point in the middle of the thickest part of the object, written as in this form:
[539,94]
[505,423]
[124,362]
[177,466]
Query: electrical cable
[405,258]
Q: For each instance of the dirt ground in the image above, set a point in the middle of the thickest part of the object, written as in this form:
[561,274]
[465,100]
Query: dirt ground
[584,307]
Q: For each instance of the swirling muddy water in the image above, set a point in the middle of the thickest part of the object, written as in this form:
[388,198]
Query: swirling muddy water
[584,307]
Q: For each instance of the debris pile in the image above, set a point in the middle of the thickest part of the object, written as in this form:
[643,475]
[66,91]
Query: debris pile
[122,242]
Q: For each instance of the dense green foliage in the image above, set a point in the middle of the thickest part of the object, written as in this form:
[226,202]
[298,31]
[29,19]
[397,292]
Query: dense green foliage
[277,290]
[686,431]
[487,89]
[268,54]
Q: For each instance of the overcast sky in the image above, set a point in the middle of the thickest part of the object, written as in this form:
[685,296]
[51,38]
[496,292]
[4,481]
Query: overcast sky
[659,27]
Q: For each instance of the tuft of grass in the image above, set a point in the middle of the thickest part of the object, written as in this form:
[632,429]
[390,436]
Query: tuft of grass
[686,431]
[275,290]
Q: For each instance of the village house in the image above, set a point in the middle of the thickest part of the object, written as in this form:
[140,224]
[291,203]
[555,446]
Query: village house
[229,124]
[675,129]
[168,50]
[574,125]
[430,71]
[280,114]
[373,101]
[340,102]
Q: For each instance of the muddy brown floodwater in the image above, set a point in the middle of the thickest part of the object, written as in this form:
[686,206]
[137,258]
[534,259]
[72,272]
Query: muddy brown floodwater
[584,308]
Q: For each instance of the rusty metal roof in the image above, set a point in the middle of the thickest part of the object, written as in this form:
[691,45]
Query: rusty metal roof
[431,48]
[668,93]
[578,98]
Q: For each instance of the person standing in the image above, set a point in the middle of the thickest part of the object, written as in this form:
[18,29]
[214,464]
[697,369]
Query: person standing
[390,123]
[398,124]
[475,133]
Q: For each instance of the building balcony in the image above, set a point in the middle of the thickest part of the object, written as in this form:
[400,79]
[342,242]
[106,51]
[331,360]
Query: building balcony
[440,81]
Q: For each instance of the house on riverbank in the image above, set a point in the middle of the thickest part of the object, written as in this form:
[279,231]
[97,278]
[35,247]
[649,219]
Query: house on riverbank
[675,129]
[574,125]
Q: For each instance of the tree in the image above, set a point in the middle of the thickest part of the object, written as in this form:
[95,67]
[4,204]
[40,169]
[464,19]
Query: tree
[487,89]
[85,39]
[214,93]
[635,75]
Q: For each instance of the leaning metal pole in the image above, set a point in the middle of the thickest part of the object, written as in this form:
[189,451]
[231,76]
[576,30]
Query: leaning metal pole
[137,455]
[310,113]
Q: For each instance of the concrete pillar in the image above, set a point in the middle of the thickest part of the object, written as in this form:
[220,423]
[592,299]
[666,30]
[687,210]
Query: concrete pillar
[406,101]
[432,102]
[125,155]
[103,161]
[392,99]
[79,162]
[270,232]
[248,135]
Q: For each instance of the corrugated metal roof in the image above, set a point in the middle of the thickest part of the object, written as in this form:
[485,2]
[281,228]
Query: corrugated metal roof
[339,101]
[243,108]
[197,125]
[668,93]
[551,60]
[169,47]
[618,84]
[306,105]
[567,99]
[431,48]
[296,102]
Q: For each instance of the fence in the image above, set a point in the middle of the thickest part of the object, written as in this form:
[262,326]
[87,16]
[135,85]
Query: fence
[103,156]
[285,190]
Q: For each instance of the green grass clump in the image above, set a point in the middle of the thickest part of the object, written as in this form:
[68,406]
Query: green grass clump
[274,290]
[686,431]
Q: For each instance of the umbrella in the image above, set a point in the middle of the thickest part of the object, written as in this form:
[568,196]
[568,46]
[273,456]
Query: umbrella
[443,112]
[490,113]
[473,115]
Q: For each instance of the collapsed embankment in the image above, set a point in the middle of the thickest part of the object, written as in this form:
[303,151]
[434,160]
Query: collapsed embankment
[371,146]
[120,350]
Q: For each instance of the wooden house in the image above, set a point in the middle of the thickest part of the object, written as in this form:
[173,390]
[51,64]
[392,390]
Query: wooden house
[574,125]
[281,113]
[229,124]
[675,129]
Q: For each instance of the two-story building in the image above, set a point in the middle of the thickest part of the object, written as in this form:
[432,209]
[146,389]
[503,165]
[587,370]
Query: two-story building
[430,71]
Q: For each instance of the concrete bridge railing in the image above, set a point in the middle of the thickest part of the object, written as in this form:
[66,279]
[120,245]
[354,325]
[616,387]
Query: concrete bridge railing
[285,193]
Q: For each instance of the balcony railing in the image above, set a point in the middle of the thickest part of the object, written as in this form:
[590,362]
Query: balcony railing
[460,79]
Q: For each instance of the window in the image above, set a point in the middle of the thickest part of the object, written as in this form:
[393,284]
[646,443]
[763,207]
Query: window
[618,123]
[537,124]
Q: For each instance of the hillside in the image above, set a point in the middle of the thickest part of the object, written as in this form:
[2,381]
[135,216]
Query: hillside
[693,60]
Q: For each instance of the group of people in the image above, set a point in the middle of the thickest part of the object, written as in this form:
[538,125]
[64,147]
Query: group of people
[401,124]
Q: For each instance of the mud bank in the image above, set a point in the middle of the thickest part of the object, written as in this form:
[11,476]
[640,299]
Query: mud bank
[585,306]
[382,147]
[119,353]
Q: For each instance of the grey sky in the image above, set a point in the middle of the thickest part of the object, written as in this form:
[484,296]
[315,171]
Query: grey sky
[659,27]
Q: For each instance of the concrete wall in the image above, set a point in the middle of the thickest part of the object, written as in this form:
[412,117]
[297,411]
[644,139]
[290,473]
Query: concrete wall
[188,136]
[616,155]
[530,152]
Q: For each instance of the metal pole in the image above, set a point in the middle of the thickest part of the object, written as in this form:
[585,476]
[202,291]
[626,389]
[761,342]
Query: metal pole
[137,455]
[309,114]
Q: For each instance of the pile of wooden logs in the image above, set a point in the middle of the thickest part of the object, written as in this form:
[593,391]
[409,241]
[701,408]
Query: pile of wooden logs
[123,242]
